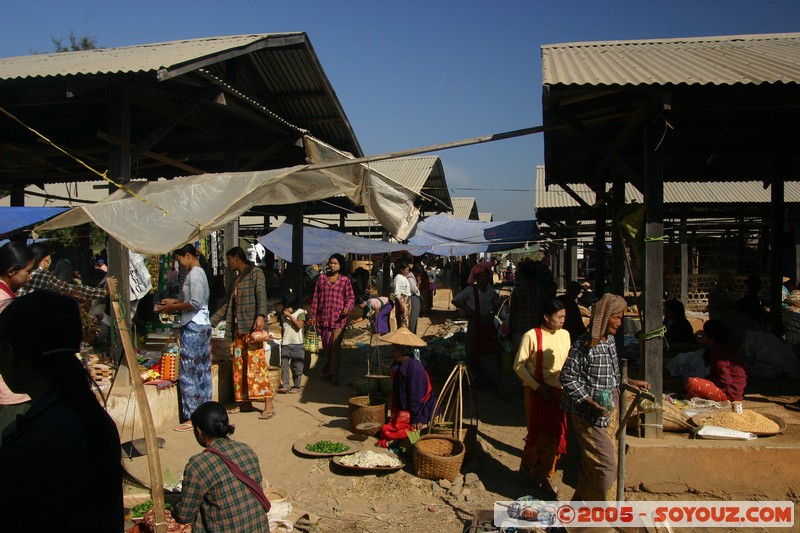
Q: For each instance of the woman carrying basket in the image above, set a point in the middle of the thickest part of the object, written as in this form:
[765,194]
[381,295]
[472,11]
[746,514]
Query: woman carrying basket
[245,312]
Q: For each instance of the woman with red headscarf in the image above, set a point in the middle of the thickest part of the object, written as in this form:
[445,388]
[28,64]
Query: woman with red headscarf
[479,302]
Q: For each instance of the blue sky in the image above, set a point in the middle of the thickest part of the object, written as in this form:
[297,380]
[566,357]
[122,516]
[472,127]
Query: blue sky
[415,73]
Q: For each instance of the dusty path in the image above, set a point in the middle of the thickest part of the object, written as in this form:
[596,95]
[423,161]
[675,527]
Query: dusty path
[394,502]
[348,501]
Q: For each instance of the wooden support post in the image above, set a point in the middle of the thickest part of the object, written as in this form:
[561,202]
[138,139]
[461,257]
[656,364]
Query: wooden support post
[654,276]
[150,438]
[600,251]
[617,246]
[684,263]
[776,256]
[796,227]
[296,273]
[119,166]
[572,255]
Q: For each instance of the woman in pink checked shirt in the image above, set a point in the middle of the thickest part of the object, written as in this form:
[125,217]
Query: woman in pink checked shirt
[333,299]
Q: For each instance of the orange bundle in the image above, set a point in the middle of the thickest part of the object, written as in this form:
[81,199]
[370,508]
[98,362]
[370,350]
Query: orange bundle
[169,366]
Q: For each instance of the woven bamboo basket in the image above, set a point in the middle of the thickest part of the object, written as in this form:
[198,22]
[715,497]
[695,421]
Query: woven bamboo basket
[274,375]
[438,457]
[364,409]
[468,435]
[370,429]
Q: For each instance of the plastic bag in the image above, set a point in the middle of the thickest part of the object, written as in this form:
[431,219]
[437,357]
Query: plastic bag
[604,398]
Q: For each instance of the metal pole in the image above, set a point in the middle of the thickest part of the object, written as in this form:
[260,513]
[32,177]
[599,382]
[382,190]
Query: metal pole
[623,408]
[431,148]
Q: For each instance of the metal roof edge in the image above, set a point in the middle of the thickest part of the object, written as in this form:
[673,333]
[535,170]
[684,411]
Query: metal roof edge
[720,38]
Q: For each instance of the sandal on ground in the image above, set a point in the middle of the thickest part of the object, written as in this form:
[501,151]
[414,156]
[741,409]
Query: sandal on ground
[186,426]
[284,390]
[266,416]
[294,390]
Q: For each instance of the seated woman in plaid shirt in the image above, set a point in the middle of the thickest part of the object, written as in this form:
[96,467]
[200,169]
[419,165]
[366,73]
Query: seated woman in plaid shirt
[213,498]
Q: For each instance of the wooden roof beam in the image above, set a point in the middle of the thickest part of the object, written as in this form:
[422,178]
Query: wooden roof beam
[602,149]
[158,157]
[165,127]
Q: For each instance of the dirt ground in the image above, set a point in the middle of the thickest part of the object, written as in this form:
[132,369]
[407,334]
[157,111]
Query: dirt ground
[347,501]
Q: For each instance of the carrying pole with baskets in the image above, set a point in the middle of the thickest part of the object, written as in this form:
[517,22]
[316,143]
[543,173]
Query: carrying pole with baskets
[450,419]
[150,438]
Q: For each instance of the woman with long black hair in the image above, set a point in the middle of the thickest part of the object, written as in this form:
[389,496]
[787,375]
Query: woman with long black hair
[17,262]
[194,374]
[66,440]
[333,299]
[245,312]
[542,353]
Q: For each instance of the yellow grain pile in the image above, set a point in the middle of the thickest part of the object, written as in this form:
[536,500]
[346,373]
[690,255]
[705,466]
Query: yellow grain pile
[747,421]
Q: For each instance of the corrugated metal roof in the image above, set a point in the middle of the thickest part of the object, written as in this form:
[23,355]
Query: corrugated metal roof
[128,59]
[465,207]
[712,192]
[726,60]
[423,174]
[412,172]
[486,217]
[274,87]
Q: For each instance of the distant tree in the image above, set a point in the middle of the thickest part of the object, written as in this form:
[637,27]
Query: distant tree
[87,42]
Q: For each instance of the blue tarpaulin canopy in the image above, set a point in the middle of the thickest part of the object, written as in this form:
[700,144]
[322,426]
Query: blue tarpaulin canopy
[449,235]
[438,234]
[14,218]
[319,244]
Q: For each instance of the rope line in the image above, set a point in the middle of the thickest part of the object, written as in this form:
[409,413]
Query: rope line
[102,175]
[659,333]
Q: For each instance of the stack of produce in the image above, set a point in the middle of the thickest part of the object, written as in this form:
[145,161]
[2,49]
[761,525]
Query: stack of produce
[748,421]
[326,446]
[370,459]
[101,374]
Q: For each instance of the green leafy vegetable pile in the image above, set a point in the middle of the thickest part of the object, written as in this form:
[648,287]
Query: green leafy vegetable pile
[326,446]
[138,511]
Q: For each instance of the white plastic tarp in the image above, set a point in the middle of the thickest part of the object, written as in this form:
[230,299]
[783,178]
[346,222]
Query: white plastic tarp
[161,216]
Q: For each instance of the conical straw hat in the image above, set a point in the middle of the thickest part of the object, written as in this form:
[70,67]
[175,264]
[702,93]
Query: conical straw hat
[404,337]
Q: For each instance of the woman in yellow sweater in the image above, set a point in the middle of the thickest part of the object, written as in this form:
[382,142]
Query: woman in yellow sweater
[541,356]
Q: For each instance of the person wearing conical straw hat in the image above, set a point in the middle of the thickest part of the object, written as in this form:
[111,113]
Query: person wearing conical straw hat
[411,386]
